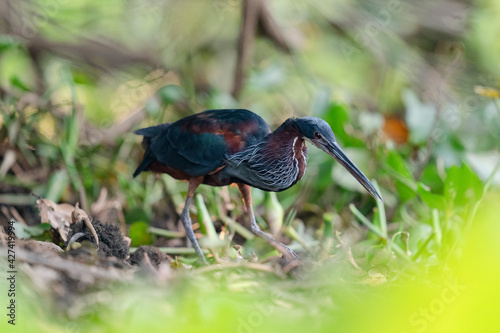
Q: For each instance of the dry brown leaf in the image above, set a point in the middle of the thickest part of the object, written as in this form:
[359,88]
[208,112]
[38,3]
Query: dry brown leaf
[78,214]
[58,215]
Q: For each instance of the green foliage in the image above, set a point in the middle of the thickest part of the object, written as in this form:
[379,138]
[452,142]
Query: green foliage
[420,117]
[430,199]
[404,181]
[206,225]
[139,234]
[39,231]
[170,94]
[462,188]
[338,116]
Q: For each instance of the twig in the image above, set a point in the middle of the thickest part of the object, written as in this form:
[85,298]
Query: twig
[246,39]
[17,216]
[37,70]
[255,15]
[166,233]
[244,232]
[254,266]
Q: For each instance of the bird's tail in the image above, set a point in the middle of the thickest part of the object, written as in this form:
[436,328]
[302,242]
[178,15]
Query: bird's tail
[148,133]
[146,161]
[151,131]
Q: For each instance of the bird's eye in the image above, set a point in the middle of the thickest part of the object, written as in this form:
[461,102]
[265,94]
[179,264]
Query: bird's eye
[317,135]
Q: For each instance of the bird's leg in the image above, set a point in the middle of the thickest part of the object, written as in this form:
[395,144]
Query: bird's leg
[246,194]
[186,219]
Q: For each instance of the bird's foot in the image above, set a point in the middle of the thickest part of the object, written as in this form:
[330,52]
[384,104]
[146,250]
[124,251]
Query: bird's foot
[203,260]
[290,263]
[289,254]
[199,253]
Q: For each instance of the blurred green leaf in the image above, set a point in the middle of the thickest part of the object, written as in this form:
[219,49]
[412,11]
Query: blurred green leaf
[58,182]
[420,117]
[16,82]
[139,234]
[170,93]
[7,42]
[430,199]
[419,237]
[327,234]
[274,213]
[206,224]
[338,117]
[136,214]
[71,132]
[431,178]
[80,77]
[404,181]
[152,107]
[26,232]
[462,186]
[380,218]
[47,150]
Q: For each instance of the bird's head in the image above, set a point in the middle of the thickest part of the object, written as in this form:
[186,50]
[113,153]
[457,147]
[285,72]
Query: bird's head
[320,134]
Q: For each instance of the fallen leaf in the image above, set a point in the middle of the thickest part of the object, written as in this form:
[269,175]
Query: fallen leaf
[78,214]
[58,215]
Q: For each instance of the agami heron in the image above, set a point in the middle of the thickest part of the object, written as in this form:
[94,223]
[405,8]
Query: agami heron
[222,147]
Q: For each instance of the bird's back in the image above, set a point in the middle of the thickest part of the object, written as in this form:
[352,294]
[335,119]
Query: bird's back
[199,144]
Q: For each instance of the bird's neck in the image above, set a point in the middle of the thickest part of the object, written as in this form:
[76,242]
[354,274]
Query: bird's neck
[286,145]
[287,137]
[274,164]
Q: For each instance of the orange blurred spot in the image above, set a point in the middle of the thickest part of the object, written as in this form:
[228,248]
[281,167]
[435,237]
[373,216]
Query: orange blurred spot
[395,129]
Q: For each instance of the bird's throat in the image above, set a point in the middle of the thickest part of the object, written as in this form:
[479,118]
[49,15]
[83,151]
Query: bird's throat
[274,164]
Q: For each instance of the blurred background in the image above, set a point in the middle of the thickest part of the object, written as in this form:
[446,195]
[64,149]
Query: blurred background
[410,89]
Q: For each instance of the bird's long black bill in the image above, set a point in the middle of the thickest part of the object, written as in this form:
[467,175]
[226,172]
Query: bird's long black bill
[341,157]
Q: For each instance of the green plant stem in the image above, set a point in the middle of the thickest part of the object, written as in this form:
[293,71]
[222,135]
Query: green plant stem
[166,233]
[373,228]
[244,232]
[381,212]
